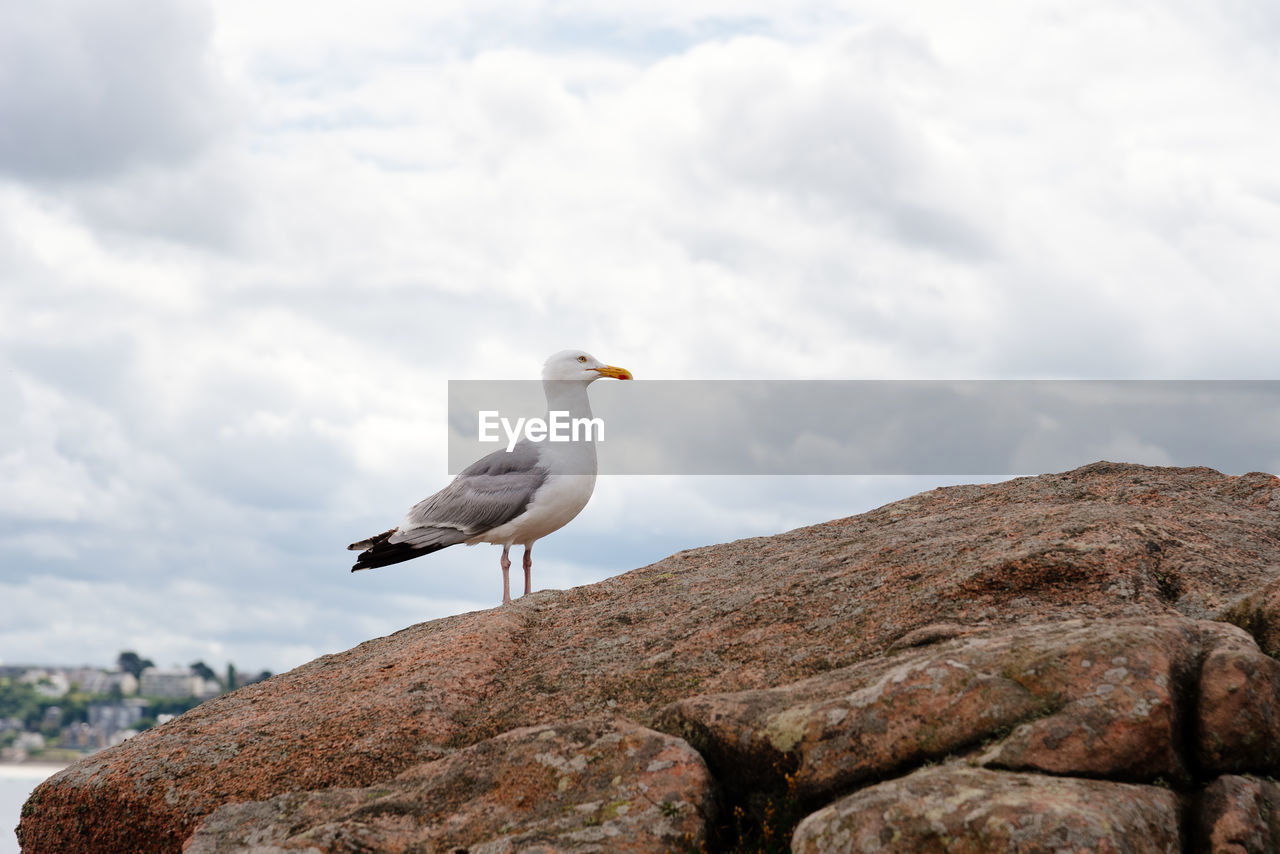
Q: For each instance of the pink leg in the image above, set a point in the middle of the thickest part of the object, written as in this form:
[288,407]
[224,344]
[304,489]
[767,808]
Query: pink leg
[506,576]
[528,569]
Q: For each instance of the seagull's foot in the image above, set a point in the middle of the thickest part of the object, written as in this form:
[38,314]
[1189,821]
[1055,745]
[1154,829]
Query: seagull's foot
[528,570]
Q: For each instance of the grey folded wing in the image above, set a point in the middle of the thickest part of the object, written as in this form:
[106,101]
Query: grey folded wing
[490,492]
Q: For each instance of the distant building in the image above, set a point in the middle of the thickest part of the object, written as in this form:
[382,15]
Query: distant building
[47,681]
[26,744]
[29,741]
[111,717]
[178,683]
[84,678]
[127,682]
[104,682]
[81,736]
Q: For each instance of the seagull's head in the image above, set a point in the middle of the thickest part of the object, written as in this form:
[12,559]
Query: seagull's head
[579,366]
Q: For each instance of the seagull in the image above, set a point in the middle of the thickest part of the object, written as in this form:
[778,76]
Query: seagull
[510,497]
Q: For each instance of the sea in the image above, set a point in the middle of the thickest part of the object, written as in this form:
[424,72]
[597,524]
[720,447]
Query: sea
[16,783]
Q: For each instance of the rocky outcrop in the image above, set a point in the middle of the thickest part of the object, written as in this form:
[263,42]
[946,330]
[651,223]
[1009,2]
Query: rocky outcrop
[1072,697]
[1055,643]
[572,787]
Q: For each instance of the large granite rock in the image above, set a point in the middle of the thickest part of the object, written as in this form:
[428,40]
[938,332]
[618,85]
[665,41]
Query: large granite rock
[1062,623]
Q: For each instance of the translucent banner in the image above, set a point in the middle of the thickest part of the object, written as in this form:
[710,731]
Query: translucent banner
[880,427]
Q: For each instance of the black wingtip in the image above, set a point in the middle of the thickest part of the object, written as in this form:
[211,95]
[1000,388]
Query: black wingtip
[385,554]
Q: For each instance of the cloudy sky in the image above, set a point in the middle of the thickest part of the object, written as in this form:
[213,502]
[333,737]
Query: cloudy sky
[245,245]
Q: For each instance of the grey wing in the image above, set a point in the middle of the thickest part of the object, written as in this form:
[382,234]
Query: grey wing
[490,492]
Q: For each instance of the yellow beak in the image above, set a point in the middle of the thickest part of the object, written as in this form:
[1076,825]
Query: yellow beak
[615,373]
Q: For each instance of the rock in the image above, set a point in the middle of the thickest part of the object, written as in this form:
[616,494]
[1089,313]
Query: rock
[602,784]
[1238,815]
[1121,688]
[1106,544]
[961,810]
[855,724]
[1069,697]
[1259,615]
[930,634]
[1239,709]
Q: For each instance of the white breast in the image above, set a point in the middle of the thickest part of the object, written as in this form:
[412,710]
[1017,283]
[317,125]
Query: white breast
[556,502]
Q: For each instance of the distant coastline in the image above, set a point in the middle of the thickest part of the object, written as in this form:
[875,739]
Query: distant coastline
[30,770]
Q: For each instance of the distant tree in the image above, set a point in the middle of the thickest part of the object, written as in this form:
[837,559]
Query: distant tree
[231,677]
[130,663]
[20,700]
[204,671]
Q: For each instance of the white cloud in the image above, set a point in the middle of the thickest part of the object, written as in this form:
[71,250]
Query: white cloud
[87,90]
[242,247]
[178,621]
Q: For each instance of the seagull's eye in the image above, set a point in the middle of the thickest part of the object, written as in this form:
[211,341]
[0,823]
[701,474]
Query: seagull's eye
[582,358]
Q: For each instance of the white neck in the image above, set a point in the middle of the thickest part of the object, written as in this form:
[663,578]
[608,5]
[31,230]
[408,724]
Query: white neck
[567,396]
[571,397]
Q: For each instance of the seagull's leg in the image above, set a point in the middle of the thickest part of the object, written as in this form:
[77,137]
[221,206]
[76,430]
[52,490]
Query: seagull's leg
[506,576]
[528,569]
